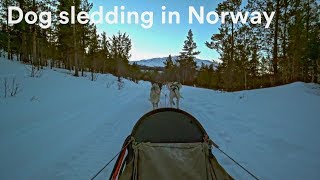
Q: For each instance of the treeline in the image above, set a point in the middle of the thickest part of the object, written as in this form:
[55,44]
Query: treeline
[251,56]
[76,47]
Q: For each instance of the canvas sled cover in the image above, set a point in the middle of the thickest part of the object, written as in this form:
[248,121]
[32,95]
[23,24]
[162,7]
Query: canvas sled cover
[168,144]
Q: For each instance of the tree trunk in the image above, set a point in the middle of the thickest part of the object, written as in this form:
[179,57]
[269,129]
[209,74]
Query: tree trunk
[34,47]
[245,80]
[313,74]
[284,43]
[9,57]
[8,33]
[232,43]
[23,46]
[82,73]
[69,63]
[275,42]
[76,72]
[51,64]
[34,38]
[318,71]
[40,53]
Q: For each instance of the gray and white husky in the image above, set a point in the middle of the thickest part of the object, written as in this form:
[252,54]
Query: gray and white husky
[174,88]
[155,95]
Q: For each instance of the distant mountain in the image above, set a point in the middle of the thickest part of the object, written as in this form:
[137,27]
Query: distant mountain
[159,62]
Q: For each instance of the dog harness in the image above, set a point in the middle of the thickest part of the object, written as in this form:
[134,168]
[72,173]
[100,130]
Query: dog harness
[174,87]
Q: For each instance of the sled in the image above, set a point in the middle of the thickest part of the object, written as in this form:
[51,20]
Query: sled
[169,144]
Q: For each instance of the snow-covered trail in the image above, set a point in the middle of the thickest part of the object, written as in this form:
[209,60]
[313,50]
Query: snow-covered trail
[273,132]
[75,144]
[217,119]
[69,131]
[103,139]
[63,127]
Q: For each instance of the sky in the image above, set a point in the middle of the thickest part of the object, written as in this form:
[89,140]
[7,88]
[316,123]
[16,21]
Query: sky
[161,39]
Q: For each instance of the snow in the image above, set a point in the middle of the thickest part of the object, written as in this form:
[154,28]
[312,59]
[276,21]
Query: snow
[64,127]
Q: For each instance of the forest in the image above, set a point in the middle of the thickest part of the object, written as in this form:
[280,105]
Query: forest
[251,56]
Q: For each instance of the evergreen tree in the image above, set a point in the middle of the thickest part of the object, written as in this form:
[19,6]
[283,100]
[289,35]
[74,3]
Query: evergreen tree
[6,29]
[120,46]
[65,35]
[170,69]
[84,32]
[187,65]
[105,45]
[224,43]
[168,64]
[93,49]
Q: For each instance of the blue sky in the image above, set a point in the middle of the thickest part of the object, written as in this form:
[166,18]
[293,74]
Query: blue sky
[161,39]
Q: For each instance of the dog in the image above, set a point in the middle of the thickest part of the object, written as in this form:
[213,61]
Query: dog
[155,95]
[174,89]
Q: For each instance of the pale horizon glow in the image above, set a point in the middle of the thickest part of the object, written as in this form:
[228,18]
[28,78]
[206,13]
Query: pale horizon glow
[161,40]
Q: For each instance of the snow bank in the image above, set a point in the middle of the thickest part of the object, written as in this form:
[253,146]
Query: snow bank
[63,127]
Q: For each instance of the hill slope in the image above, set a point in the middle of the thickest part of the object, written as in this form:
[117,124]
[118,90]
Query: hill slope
[159,62]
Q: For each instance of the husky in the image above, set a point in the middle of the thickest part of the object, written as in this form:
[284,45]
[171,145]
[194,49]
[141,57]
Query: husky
[174,88]
[155,95]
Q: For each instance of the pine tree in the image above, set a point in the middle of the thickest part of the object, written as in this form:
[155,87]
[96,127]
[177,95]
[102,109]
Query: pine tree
[189,47]
[228,44]
[105,45]
[262,38]
[312,28]
[187,65]
[81,37]
[170,69]
[6,28]
[120,46]
[64,35]
[93,49]
[168,64]
[75,39]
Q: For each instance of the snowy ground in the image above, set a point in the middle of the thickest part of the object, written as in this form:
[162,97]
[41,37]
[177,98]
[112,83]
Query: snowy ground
[63,127]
